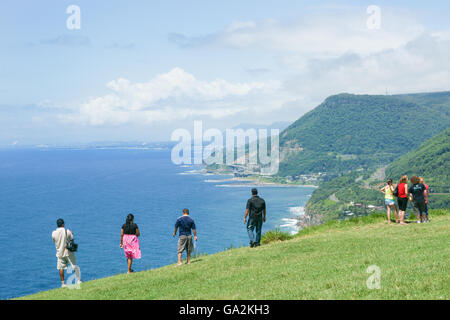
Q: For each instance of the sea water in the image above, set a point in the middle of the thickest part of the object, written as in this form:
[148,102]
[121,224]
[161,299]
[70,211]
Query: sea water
[94,189]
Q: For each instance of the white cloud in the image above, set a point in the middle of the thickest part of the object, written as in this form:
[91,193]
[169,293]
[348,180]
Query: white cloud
[326,33]
[419,65]
[170,96]
[318,55]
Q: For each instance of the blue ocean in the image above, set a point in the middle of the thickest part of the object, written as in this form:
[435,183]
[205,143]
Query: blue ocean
[94,189]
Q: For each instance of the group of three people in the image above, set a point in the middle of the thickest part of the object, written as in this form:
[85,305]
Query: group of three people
[417,194]
[129,238]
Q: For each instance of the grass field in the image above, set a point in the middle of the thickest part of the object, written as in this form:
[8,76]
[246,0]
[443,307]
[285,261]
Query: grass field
[323,262]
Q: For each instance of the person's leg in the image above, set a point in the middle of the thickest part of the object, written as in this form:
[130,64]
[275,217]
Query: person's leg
[61,265]
[61,275]
[388,213]
[73,263]
[250,228]
[426,212]
[77,273]
[422,212]
[258,227]
[181,247]
[405,207]
[416,211]
[130,262]
[402,217]
[396,213]
[190,248]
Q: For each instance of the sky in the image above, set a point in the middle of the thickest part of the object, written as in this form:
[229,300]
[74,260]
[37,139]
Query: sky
[138,70]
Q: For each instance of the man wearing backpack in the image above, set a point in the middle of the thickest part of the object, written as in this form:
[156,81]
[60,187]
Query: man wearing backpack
[60,237]
[256,211]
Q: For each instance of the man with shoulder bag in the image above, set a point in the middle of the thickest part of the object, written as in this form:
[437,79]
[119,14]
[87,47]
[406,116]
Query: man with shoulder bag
[65,251]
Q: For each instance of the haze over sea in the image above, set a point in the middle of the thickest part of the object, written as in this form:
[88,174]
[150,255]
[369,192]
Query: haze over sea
[94,189]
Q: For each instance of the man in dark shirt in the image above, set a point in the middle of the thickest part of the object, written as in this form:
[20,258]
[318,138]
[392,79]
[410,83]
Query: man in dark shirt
[256,210]
[185,224]
[416,195]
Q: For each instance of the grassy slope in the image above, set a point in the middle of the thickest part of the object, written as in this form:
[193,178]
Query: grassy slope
[323,262]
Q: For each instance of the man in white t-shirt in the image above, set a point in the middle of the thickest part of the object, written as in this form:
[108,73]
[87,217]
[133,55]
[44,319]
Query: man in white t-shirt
[64,256]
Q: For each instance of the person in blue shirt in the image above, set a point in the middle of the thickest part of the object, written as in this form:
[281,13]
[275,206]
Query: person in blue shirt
[185,224]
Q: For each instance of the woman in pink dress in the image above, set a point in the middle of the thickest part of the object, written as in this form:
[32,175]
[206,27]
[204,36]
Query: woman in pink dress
[129,241]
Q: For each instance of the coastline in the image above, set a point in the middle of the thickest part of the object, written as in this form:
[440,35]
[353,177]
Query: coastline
[267,183]
[257,180]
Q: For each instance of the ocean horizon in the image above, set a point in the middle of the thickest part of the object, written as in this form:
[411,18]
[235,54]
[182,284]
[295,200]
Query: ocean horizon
[94,189]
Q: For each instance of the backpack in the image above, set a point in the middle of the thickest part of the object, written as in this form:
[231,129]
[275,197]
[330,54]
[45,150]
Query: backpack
[395,193]
[70,244]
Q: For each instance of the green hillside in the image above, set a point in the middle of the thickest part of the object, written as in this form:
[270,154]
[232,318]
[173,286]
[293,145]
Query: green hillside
[330,261]
[349,131]
[430,160]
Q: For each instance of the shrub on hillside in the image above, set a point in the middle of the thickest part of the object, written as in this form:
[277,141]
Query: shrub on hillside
[275,235]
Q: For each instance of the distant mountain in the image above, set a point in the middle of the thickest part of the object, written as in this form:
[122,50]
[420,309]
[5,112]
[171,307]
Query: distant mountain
[280,125]
[349,131]
[430,160]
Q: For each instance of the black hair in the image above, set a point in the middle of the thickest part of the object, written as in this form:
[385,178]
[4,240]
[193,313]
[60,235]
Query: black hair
[130,219]
[60,222]
[389,181]
[186,210]
[254,191]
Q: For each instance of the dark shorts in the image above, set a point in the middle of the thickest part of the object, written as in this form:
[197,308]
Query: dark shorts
[419,207]
[185,243]
[402,203]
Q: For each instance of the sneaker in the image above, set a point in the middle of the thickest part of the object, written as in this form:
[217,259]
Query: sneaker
[419,221]
[63,285]
[252,244]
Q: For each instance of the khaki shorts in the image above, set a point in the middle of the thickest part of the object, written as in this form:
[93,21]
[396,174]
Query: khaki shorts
[65,261]
[185,242]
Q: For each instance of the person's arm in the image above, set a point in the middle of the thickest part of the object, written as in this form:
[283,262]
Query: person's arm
[382,189]
[195,234]
[175,232]
[138,233]
[246,211]
[177,223]
[121,238]
[264,215]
